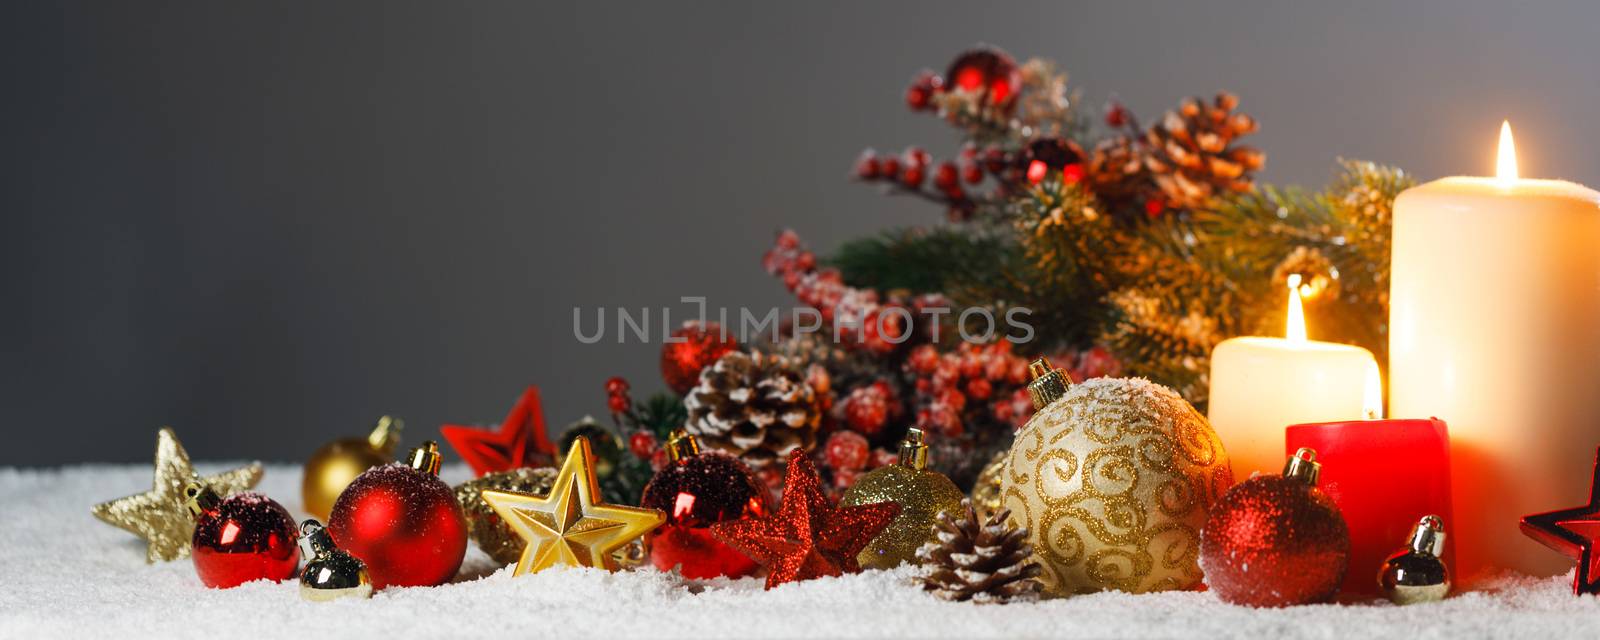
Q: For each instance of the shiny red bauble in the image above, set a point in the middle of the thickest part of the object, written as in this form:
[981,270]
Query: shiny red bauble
[696,491]
[404,523]
[243,538]
[1275,541]
[691,348]
[988,73]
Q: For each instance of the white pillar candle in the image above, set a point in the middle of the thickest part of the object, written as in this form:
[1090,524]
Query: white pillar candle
[1260,386]
[1494,320]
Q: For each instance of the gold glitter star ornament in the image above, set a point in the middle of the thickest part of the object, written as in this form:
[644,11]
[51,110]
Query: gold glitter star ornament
[570,525]
[159,515]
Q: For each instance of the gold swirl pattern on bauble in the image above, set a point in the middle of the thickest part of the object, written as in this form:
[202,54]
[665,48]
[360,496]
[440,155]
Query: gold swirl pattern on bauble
[1114,481]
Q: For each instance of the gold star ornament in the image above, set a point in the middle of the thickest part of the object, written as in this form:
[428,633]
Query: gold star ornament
[570,525]
[158,515]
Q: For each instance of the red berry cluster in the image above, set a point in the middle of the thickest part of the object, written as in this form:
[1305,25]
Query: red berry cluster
[1013,408]
[908,172]
[870,407]
[986,382]
[848,454]
[858,316]
[919,96]
[1118,116]
[617,395]
[1096,362]
[954,388]
[641,442]
[1011,170]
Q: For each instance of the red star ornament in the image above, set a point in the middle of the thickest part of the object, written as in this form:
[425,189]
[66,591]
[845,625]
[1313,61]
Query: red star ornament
[808,537]
[1573,533]
[521,441]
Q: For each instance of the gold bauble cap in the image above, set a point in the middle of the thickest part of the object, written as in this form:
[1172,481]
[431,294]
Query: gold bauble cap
[1428,536]
[386,435]
[1048,385]
[425,458]
[913,451]
[1303,465]
[682,445]
[199,498]
[317,538]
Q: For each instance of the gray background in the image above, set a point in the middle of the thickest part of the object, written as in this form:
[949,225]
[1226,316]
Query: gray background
[265,224]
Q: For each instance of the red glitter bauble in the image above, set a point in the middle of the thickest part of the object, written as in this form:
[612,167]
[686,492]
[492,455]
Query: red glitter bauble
[988,73]
[696,492]
[404,523]
[1275,541]
[244,537]
[692,348]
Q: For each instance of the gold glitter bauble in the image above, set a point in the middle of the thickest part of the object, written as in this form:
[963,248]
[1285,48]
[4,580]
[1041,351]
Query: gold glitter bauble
[1113,478]
[487,529]
[922,495]
[334,466]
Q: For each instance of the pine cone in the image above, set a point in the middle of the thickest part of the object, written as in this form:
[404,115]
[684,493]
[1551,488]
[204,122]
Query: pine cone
[984,564]
[1190,156]
[755,406]
[1116,169]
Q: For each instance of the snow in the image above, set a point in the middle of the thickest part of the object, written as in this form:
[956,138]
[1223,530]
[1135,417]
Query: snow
[69,576]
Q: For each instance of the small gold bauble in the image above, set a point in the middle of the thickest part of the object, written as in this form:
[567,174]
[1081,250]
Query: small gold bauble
[491,533]
[922,495]
[336,465]
[330,573]
[1113,479]
[1417,573]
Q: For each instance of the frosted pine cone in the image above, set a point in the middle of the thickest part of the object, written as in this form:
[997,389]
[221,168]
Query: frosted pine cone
[1191,153]
[1116,169]
[985,564]
[754,406]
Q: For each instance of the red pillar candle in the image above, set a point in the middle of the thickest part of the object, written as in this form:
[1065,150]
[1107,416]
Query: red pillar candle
[1384,475]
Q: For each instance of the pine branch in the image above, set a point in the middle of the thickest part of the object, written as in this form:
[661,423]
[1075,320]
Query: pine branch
[1223,272]
[925,260]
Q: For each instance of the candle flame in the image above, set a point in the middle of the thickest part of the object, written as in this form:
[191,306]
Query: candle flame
[1506,163]
[1372,399]
[1295,326]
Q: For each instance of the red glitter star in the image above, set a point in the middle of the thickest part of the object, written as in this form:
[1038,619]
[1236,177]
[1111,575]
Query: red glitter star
[520,442]
[1573,533]
[808,537]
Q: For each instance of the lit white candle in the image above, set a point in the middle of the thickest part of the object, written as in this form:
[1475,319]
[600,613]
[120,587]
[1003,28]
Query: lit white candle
[1494,321]
[1261,385]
